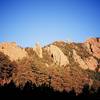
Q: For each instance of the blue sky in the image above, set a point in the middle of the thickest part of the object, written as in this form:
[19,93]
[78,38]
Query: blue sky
[29,21]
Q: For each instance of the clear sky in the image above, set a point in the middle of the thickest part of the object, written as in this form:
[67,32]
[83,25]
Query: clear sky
[29,21]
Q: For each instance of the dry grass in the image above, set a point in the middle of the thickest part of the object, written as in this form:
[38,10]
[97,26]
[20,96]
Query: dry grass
[35,70]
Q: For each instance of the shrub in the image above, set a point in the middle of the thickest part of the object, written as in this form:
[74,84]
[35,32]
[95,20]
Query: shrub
[6,68]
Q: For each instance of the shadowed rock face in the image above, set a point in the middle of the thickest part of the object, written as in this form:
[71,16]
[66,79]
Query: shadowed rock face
[62,66]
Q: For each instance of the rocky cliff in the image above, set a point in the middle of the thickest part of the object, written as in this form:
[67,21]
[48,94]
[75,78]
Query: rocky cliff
[61,65]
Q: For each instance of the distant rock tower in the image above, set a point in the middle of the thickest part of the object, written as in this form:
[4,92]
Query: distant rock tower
[38,50]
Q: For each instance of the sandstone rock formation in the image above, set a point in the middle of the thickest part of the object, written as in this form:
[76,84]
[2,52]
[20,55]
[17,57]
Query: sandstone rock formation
[91,62]
[79,60]
[13,51]
[38,50]
[93,46]
[88,63]
[58,56]
[64,66]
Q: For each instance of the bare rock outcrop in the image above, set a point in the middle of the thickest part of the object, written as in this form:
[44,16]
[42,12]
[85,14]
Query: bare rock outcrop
[91,63]
[13,51]
[79,60]
[87,63]
[93,46]
[38,50]
[64,66]
[57,55]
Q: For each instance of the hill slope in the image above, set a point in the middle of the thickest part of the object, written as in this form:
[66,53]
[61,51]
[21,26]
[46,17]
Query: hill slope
[61,65]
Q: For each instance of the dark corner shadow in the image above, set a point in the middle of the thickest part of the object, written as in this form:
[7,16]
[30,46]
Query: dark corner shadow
[11,90]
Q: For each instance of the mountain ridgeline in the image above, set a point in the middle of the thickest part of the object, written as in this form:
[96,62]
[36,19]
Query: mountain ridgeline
[60,66]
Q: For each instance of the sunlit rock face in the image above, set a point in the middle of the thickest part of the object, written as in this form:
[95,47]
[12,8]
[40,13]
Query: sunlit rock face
[61,65]
[93,46]
[38,50]
[79,60]
[13,51]
[91,62]
[58,56]
[87,63]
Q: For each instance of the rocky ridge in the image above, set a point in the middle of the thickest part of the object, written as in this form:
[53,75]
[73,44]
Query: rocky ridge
[61,65]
